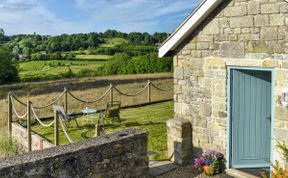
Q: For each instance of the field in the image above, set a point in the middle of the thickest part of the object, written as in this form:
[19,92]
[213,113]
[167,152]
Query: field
[111,42]
[86,89]
[83,65]
[151,118]
[86,57]
[55,69]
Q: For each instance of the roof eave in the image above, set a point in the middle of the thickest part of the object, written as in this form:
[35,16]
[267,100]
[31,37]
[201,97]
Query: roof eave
[188,26]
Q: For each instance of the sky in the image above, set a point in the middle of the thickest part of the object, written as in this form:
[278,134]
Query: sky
[55,17]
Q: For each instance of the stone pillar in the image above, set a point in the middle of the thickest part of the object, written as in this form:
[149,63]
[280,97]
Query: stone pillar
[179,134]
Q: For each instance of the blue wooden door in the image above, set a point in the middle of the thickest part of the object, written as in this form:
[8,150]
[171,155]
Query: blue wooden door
[250,118]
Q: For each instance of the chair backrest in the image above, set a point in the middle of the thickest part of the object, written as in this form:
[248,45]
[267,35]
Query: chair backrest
[113,109]
[60,110]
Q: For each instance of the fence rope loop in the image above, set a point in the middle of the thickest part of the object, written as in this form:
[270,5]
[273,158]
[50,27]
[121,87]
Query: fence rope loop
[160,89]
[16,99]
[86,101]
[51,103]
[39,120]
[15,111]
[135,94]
[65,131]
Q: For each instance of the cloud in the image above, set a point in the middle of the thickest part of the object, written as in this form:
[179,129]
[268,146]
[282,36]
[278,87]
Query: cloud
[46,17]
[29,16]
[135,15]
[13,5]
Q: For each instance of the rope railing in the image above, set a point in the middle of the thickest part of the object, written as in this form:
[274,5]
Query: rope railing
[51,103]
[65,131]
[135,94]
[160,89]
[31,108]
[86,101]
[16,99]
[39,120]
[15,111]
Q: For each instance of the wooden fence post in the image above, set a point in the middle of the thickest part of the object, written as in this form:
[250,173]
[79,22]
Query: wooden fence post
[111,92]
[56,128]
[10,114]
[65,100]
[97,129]
[29,125]
[149,91]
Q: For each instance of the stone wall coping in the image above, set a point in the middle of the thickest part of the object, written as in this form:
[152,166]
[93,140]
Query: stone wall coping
[177,122]
[54,152]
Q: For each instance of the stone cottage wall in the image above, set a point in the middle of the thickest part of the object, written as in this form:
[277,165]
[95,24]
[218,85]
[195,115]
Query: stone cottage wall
[238,33]
[122,154]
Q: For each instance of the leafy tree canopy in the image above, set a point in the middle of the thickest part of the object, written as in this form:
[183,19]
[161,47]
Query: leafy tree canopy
[8,70]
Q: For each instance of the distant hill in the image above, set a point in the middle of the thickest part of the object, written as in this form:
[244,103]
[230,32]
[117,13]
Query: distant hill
[41,47]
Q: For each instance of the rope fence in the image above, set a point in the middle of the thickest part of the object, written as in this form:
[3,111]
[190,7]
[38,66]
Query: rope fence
[31,109]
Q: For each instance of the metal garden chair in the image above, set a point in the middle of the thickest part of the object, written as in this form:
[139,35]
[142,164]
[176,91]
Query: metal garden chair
[112,111]
[66,117]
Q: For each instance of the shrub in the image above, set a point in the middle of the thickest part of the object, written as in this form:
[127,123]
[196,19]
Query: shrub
[8,69]
[124,64]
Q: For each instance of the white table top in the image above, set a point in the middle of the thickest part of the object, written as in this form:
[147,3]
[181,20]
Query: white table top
[89,110]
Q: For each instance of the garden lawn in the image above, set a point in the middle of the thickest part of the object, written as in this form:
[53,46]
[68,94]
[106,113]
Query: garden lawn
[151,118]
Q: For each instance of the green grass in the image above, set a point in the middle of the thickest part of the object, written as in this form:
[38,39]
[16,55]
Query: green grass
[151,118]
[112,42]
[7,148]
[93,57]
[54,69]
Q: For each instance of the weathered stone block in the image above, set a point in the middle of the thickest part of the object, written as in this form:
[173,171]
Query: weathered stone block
[261,20]
[253,7]
[257,47]
[232,49]
[235,11]
[179,134]
[277,20]
[270,8]
[268,33]
[245,21]
[212,28]
[178,73]
[205,110]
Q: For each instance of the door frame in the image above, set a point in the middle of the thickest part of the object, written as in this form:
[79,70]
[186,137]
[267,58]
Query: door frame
[229,123]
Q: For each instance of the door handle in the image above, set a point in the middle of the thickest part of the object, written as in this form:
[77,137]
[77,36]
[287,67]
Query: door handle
[269,118]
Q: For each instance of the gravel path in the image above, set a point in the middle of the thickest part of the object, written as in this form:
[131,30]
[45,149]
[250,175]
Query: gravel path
[188,172]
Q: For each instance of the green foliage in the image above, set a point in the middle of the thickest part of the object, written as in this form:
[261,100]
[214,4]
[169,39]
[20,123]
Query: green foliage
[7,146]
[279,172]
[124,64]
[37,47]
[284,149]
[8,70]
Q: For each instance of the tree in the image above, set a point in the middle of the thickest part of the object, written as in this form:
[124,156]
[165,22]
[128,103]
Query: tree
[8,69]
[2,35]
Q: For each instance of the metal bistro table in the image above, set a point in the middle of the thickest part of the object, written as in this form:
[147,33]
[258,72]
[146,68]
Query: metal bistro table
[88,111]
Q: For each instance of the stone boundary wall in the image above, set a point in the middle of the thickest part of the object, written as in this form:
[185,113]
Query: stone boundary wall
[122,154]
[19,136]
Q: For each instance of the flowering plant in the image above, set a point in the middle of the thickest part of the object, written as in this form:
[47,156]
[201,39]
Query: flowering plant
[210,161]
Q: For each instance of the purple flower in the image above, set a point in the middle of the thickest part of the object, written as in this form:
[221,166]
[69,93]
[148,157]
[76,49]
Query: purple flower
[208,162]
[199,162]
